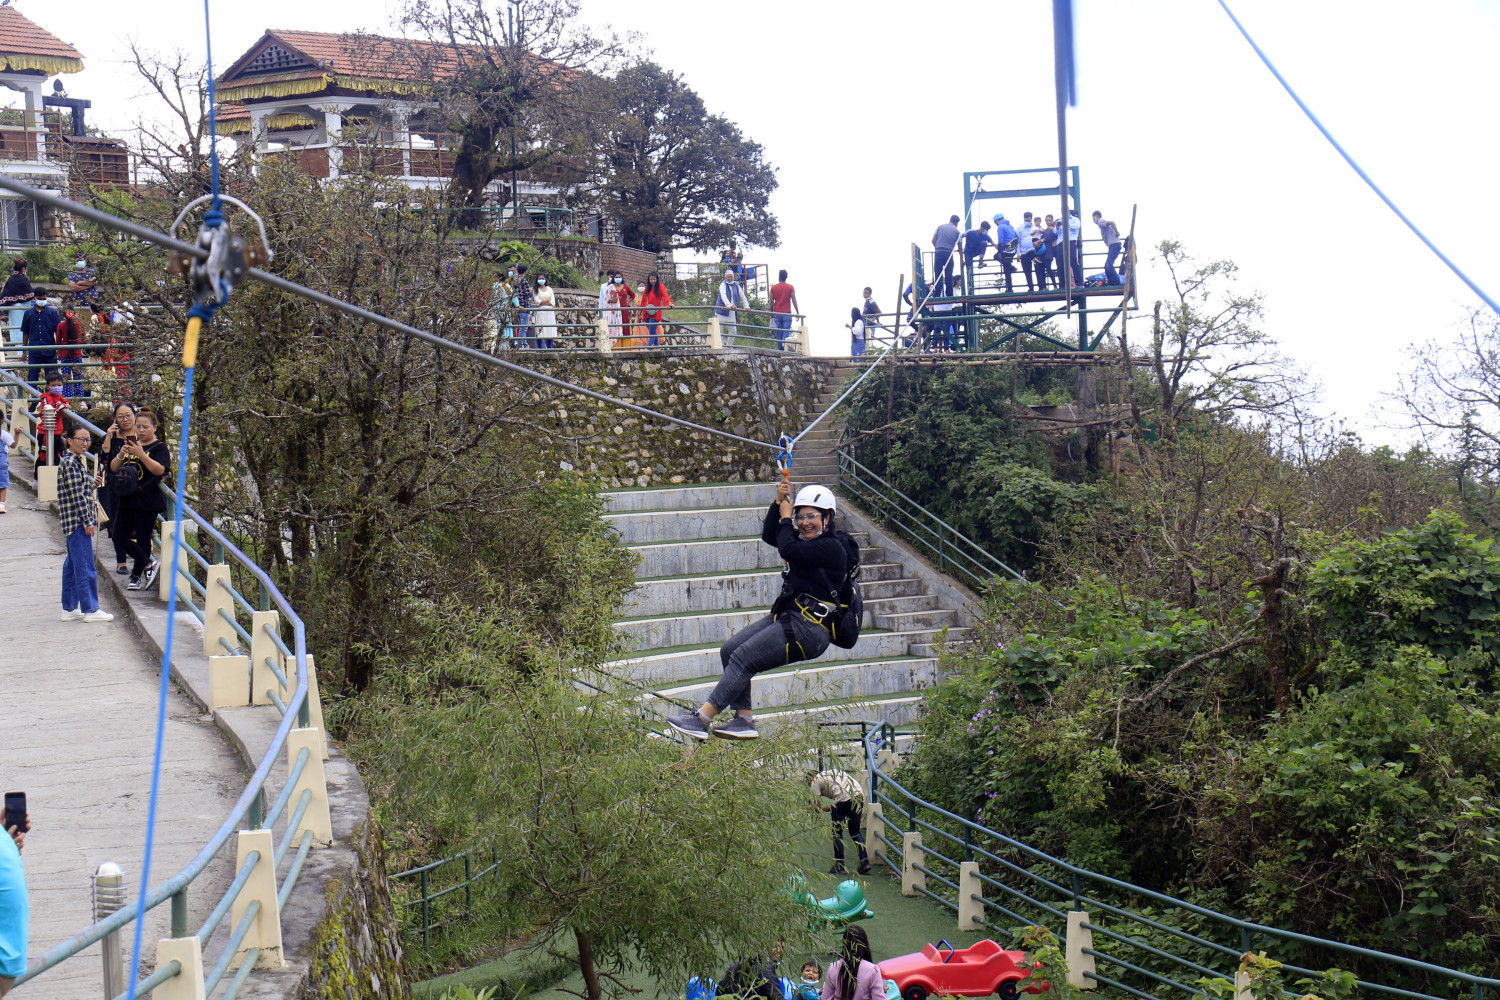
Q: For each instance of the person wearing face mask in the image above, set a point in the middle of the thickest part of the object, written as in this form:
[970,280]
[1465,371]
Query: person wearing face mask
[817,560]
[617,298]
[543,314]
[497,325]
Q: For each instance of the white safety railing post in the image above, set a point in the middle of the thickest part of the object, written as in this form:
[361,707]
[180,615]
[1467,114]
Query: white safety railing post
[316,817]
[262,649]
[217,598]
[1079,938]
[913,881]
[715,333]
[314,702]
[265,929]
[1242,984]
[188,953]
[164,575]
[970,910]
[601,335]
[228,682]
[804,342]
[874,832]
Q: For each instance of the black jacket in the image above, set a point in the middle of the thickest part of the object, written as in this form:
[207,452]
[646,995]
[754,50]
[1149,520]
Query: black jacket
[804,558]
[17,289]
[754,977]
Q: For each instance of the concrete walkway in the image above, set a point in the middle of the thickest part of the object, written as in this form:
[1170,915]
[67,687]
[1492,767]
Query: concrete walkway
[77,724]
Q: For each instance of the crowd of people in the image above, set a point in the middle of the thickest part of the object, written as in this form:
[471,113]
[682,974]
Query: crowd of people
[1036,245]
[60,334]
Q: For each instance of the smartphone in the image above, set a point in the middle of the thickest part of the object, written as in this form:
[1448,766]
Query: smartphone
[15,811]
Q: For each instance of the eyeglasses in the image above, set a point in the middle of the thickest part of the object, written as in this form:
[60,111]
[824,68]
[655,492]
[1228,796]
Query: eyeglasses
[800,518]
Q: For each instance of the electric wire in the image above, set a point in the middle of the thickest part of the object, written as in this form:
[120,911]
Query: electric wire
[1354,165]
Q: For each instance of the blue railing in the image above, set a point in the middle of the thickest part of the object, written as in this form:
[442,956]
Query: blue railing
[249,809]
[1155,940]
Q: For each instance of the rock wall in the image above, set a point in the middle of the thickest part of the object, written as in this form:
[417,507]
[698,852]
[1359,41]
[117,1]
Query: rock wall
[753,393]
[356,954]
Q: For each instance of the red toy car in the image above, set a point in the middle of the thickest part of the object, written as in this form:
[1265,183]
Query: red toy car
[976,971]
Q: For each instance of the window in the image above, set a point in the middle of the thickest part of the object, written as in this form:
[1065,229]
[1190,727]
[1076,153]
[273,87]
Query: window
[18,221]
[273,59]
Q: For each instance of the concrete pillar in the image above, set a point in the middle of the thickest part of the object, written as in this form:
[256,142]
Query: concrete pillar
[601,334]
[912,880]
[715,333]
[228,682]
[187,984]
[265,929]
[804,342]
[1242,984]
[970,910]
[874,830]
[260,129]
[316,817]
[315,704]
[46,484]
[261,648]
[20,427]
[184,563]
[1079,938]
[333,131]
[217,599]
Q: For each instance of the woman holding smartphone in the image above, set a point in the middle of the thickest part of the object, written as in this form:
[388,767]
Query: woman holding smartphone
[113,444]
[140,504]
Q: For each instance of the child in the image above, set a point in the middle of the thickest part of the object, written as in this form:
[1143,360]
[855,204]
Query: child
[7,441]
[54,398]
[809,988]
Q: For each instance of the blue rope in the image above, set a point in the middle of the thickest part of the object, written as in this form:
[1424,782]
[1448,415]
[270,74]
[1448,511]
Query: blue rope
[1355,166]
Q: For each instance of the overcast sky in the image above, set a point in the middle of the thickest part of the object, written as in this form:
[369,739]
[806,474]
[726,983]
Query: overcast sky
[873,111]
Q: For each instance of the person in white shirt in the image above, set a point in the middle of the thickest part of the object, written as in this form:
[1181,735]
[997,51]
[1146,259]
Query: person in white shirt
[848,807]
[1027,251]
[1075,239]
[727,305]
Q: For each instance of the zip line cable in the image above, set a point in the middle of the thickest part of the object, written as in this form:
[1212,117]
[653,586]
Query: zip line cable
[1354,165]
[201,313]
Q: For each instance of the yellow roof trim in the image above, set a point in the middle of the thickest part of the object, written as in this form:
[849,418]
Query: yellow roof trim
[252,89]
[47,64]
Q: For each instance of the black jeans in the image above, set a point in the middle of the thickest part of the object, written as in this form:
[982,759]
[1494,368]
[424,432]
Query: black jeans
[942,270]
[133,536]
[759,647]
[851,815]
[1028,262]
[1006,260]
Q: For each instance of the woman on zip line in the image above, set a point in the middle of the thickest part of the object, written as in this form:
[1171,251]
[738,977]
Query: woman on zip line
[797,627]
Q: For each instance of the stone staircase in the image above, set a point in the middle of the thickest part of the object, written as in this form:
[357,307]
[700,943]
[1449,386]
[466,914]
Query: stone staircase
[814,461]
[704,573]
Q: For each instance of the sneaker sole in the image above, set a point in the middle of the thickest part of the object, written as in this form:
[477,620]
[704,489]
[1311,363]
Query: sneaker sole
[741,737]
[694,733]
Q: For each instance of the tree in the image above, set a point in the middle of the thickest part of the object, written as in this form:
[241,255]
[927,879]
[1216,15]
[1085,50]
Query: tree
[675,176]
[616,850]
[507,76]
[1209,358]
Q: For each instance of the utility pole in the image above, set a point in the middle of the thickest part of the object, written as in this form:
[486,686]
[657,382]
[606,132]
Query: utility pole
[515,26]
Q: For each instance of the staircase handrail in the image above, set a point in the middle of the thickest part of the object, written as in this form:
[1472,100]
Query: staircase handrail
[953,551]
[296,712]
[970,836]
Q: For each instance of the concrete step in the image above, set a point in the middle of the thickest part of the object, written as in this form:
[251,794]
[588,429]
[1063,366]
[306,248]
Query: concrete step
[688,497]
[687,524]
[901,710]
[718,555]
[678,666]
[910,620]
[673,631]
[754,589]
[820,683]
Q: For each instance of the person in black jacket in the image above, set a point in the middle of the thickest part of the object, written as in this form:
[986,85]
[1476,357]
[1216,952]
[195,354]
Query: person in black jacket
[816,562]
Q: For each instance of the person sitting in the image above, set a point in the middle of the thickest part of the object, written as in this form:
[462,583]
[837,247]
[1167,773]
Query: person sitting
[809,987]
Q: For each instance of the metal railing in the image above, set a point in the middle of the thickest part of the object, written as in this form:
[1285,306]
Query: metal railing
[433,883]
[950,551]
[620,330]
[1153,940]
[210,595]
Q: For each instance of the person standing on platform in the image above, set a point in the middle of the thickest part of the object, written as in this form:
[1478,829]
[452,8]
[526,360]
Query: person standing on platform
[783,305]
[1075,240]
[1041,240]
[147,458]
[727,305]
[1028,250]
[856,327]
[870,313]
[523,307]
[70,339]
[653,300]
[78,512]
[83,283]
[39,329]
[1110,233]
[543,316]
[944,239]
[1007,241]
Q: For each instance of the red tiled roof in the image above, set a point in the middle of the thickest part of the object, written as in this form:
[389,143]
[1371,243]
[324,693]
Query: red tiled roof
[354,54]
[21,36]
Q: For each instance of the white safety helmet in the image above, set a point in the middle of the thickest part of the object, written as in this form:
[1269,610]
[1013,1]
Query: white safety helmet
[820,497]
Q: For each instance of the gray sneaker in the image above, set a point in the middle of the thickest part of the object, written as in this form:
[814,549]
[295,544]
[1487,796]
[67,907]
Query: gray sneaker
[738,728]
[689,724]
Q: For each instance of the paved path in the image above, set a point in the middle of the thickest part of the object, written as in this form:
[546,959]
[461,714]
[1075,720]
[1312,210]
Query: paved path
[77,723]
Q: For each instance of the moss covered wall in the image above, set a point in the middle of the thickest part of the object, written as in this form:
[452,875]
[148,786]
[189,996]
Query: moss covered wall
[756,394]
[356,953]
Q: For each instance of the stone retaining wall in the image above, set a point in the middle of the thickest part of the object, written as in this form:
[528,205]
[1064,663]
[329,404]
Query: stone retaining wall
[753,393]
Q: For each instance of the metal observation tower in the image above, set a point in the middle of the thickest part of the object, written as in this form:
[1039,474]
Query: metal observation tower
[983,313]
